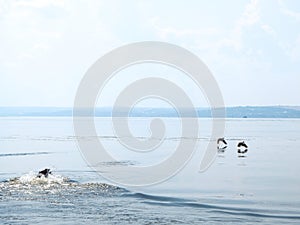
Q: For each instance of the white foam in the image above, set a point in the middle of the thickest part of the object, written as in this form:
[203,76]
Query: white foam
[31,178]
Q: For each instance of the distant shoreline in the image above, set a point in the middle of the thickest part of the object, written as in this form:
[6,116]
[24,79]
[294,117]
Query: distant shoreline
[231,112]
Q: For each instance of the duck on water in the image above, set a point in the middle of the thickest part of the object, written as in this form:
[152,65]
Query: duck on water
[242,148]
[221,144]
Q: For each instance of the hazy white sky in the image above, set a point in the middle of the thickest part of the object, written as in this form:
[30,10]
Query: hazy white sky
[252,47]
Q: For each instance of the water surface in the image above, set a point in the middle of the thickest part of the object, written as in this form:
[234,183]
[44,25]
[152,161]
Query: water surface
[262,187]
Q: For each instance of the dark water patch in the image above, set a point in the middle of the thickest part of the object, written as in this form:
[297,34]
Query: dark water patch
[213,208]
[25,154]
[154,197]
[117,163]
[230,210]
[283,216]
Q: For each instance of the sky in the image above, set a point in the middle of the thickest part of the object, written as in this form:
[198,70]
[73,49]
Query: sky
[251,47]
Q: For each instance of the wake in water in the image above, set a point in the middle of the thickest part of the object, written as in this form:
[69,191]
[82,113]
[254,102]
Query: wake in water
[33,179]
[103,202]
[33,186]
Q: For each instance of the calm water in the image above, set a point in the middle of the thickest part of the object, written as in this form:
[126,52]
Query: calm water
[262,187]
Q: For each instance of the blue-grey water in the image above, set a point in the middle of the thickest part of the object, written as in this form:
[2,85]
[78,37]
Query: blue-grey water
[263,187]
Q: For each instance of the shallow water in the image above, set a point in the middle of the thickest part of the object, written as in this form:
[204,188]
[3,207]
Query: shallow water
[262,187]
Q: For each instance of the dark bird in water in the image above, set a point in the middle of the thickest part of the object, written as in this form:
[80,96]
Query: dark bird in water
[44,173]
[242,147]
[221,144]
